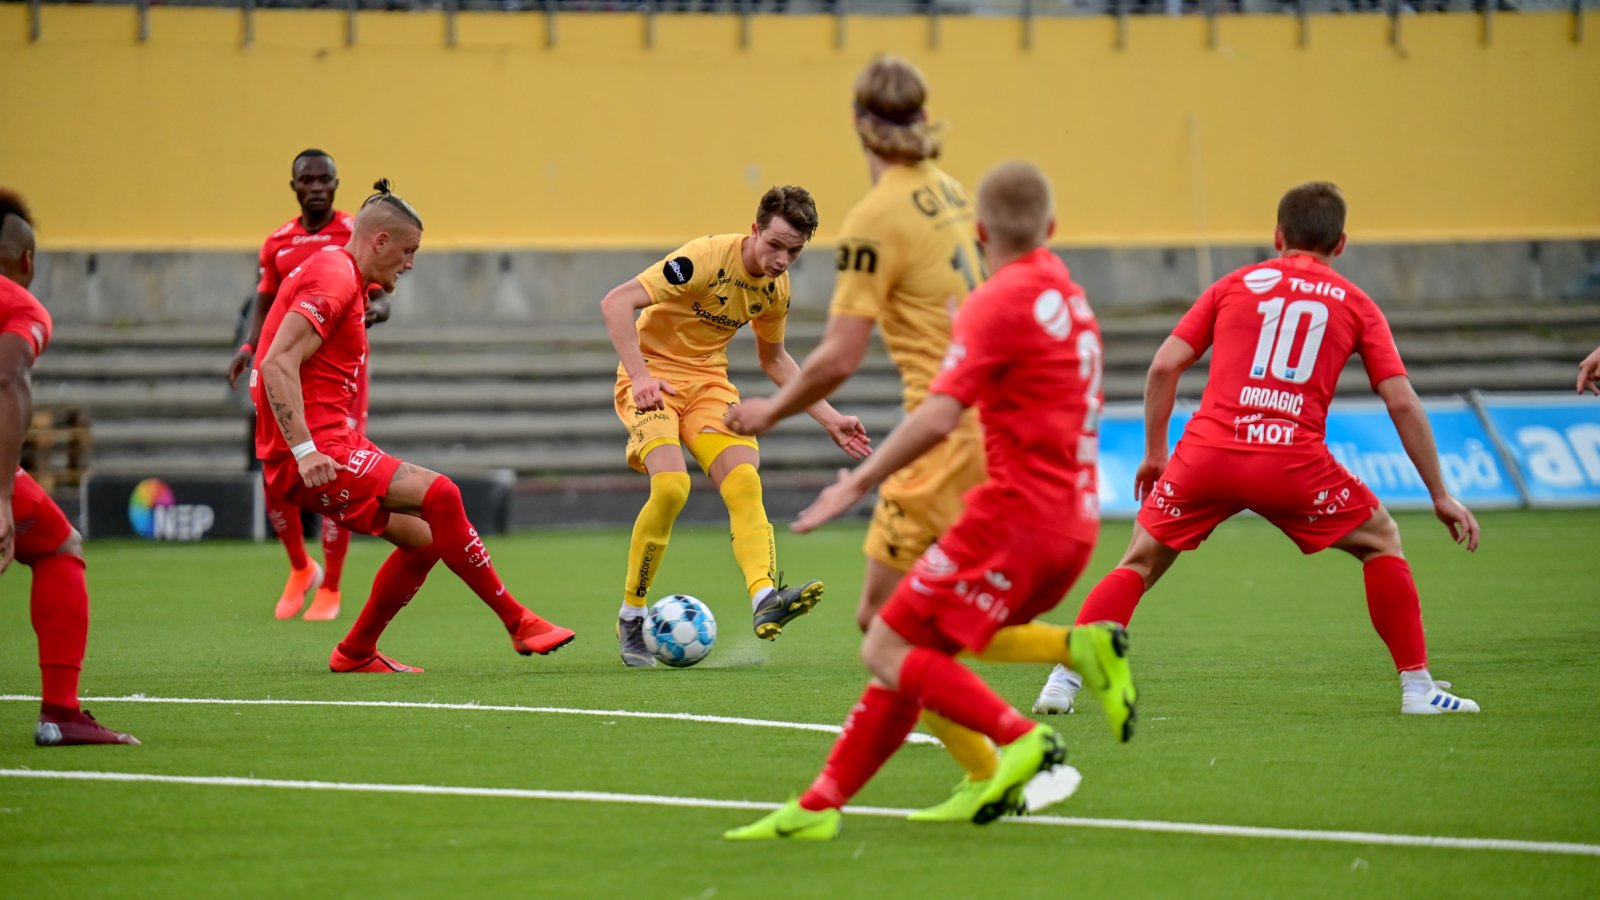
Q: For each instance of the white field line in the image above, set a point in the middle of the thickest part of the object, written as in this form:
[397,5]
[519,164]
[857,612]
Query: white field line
[914,738]
[1195,828]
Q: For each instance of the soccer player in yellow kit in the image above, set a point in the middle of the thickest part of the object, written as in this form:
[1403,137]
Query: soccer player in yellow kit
[908,254]
[673,389]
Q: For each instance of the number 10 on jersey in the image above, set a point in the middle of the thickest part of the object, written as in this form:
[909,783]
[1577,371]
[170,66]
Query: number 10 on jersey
[1280,326]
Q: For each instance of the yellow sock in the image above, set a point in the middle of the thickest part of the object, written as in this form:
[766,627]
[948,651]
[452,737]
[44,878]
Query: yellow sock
[668,492]
[1035,642]
[967,747]
[753,546]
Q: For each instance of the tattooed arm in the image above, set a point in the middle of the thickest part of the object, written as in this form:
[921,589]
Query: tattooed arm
[294,343]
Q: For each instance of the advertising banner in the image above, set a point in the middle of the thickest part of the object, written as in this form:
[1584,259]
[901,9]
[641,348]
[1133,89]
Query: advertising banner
[162,507]
[1553,441]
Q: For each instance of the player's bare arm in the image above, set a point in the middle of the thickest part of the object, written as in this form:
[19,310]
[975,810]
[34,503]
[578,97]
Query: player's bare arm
[938,415]
[1416,435]
[1589,373]
[280,365]
[619,308]
[1174,358]
[258,318]
[16,403]
[843,347]
[846,431]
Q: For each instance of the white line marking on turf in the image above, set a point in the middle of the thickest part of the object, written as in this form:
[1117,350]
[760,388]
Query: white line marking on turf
[1196,828]
[914,738]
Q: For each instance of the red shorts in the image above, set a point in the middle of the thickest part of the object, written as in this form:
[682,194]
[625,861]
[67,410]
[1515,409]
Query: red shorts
[352,498]
[1307,494]
[41,526]
[987,572]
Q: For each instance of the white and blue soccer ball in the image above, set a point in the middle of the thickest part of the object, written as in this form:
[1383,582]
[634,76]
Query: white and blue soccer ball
[679,630]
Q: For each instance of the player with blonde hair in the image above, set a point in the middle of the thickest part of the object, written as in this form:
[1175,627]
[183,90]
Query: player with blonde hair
[908,254]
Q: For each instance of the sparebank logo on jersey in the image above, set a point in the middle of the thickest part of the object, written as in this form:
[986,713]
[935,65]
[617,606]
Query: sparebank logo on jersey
[156,514]
[1262,280]
[935,564]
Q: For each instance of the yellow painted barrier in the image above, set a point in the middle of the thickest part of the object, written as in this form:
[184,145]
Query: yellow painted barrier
[600,141]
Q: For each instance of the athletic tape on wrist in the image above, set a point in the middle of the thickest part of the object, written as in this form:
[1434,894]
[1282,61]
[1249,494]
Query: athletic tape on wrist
[300,450]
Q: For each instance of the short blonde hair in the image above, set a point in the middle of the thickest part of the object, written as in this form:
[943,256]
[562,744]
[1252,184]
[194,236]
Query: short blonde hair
[890,96]
[1015,205]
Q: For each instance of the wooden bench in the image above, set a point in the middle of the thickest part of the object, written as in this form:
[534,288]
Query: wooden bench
[55,450]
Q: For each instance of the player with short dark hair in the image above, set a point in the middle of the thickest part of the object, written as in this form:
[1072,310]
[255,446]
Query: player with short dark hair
[33,529]
[316,353]
[315,181]
[1026,352]
[673,389]
[907,256]
[1280,332]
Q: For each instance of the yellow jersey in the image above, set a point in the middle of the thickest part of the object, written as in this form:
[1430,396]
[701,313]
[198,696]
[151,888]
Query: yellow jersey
[908,254]
[700,296]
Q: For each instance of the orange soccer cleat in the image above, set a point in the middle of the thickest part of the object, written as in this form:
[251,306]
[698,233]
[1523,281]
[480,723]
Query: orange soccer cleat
[324,606]
[376,664]
[301,585]
[535,635]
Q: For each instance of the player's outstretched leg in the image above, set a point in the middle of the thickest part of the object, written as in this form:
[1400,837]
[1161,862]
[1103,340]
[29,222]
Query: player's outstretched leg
[335,546]
[461,549]
[647,547]
[1396,613]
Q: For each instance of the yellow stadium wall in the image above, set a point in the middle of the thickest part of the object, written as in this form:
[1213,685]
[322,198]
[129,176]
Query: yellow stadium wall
[599,141]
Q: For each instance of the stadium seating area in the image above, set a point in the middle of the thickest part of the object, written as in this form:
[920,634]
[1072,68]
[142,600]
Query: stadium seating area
[538,400]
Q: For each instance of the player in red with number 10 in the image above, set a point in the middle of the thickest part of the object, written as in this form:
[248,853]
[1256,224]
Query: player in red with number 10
[1280,333]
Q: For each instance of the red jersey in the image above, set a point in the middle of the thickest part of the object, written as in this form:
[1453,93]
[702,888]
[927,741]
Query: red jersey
[23,315]
[1025,349]
[328,292]
[289,246]
[1280,333]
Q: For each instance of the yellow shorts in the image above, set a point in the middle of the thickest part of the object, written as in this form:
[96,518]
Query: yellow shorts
[698,406]
[922,500]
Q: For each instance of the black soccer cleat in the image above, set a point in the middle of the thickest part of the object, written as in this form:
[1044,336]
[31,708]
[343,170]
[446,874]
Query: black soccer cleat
[783,605]
[630,643]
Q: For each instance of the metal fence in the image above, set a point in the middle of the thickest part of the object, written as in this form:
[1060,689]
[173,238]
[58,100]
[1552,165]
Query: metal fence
[1025,11]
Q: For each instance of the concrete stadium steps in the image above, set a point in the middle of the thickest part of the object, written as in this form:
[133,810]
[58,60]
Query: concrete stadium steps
[538,400]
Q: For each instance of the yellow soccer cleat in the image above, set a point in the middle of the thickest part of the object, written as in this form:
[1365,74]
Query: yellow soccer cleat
[793,822]
[962,805]
[1039,750]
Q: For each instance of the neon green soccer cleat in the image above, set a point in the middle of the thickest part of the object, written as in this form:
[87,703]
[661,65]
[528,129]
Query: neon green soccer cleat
[961,806]
[793,822]
[1037,751]
[1100,655]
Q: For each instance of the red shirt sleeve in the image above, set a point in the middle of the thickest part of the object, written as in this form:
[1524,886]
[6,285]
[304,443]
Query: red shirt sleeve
[1197,325]
[269,281]
[977,356]
[323,295]
[1376,344]
[25,317]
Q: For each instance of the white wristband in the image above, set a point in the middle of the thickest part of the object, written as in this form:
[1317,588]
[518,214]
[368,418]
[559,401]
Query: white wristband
[300,450]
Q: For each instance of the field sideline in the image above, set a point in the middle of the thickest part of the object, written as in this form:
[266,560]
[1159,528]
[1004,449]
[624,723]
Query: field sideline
[1268,711]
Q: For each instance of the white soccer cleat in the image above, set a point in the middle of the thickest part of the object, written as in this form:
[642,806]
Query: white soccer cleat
[1055,698]
[1433,701]
[1050,787]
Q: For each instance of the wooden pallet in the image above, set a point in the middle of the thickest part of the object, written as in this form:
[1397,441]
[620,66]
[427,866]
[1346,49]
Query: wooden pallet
[56,449]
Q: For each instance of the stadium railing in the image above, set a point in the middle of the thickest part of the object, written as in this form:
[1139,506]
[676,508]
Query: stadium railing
[1025,11]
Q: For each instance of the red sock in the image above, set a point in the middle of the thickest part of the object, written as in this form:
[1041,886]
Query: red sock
[874,730]
[952,690]
[285,519]
[335,544]
[1114,598]
[1396,610]
[59,607]
[397,581]
[462,550]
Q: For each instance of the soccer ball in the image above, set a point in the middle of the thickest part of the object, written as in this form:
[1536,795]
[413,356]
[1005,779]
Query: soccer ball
[679,630]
